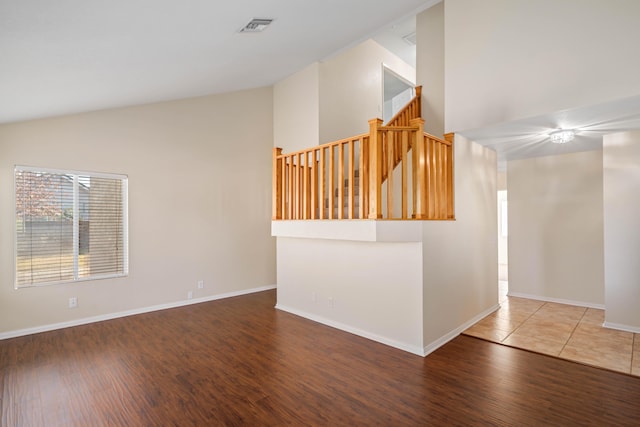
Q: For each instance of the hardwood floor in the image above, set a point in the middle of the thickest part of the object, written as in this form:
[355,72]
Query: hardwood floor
[241,362]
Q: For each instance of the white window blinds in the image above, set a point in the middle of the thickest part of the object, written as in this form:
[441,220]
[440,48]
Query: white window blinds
[69,226]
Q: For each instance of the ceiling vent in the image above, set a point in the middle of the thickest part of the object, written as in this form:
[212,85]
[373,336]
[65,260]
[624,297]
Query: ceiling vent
[256,25]
[410,38]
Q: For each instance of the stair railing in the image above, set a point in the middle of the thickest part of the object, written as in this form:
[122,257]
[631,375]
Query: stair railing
[360,177]
[412,110]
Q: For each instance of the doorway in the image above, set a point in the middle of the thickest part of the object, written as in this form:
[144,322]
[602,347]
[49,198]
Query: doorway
[503,252]
[397,92]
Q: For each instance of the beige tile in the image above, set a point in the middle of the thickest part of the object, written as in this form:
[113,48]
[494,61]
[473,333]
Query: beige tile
[496,322]
[635,363]
[592,336]
[573,333]
[565,325]
[593,316]
[537,344]
[553,310]
[513,315]
[547,331]
[598,357]
[487,333]
[523,305]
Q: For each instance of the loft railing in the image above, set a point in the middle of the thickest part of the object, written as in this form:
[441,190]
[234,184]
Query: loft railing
[360,177]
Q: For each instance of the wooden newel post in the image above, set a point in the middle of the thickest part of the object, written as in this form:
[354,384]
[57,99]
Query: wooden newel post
[421,204]
[375,171]
[419,104]
[276,183]
[450,137]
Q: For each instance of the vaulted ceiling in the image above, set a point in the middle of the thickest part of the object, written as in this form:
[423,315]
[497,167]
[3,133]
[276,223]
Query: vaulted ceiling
[68,56]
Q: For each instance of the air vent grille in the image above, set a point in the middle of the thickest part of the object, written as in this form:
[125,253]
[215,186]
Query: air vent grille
[410,38]
[256,25]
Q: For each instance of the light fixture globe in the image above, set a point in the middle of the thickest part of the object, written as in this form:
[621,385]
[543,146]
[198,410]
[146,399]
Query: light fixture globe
[562,136]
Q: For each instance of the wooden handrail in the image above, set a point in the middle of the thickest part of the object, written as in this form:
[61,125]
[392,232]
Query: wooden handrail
[403,118]
[412,110]
[344,179]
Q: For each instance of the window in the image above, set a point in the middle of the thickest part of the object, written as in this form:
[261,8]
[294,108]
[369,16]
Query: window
[70,226]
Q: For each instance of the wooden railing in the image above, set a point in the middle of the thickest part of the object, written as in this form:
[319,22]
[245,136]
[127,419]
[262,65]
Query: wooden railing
[359,177]
[412,110]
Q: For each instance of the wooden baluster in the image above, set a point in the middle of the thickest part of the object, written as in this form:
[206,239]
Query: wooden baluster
[414,176]
[421,163]
[314,183]
[331,181]
[433,183]
[383,159]
[390,137]
[291,198]
[442,214]
[323,182]
[351,160]
[375,172]
[276,180]
[449,167]
[285,172]
[291,186]
[363,179]
[341,181]
[298,187]
[304,168]
[442,202]
[431,178]
[436,179]
[405,149]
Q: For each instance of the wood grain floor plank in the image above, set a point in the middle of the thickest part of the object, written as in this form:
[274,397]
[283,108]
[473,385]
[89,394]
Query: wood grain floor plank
[241,362]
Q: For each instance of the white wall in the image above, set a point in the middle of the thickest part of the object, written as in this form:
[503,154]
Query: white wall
[351,89]
[510,59]
[621,175]
[296,110]
[503,217]
[460,257]
[503,256]
[376,287]
[199,201]
[556,228]
[430,66]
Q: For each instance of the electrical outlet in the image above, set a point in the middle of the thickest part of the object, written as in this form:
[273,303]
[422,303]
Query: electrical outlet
[331,303]
[200,284]
[73,302]
[189,294]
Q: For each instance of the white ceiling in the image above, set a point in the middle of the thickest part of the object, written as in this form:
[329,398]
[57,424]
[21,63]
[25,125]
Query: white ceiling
[392,38]
[529,137]
[68,56]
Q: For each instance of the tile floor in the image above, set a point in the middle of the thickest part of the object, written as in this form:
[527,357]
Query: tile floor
[565,331]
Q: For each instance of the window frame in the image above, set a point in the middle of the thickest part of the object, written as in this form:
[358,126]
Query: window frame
[73,173]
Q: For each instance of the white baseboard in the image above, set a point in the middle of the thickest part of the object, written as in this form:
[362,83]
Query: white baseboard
[102,317]
[388,341]
[556,300]
[620,327]
[434,345]
[356,331]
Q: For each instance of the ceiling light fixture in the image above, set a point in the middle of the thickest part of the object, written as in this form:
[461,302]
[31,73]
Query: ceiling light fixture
[256,25]
[562,136]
